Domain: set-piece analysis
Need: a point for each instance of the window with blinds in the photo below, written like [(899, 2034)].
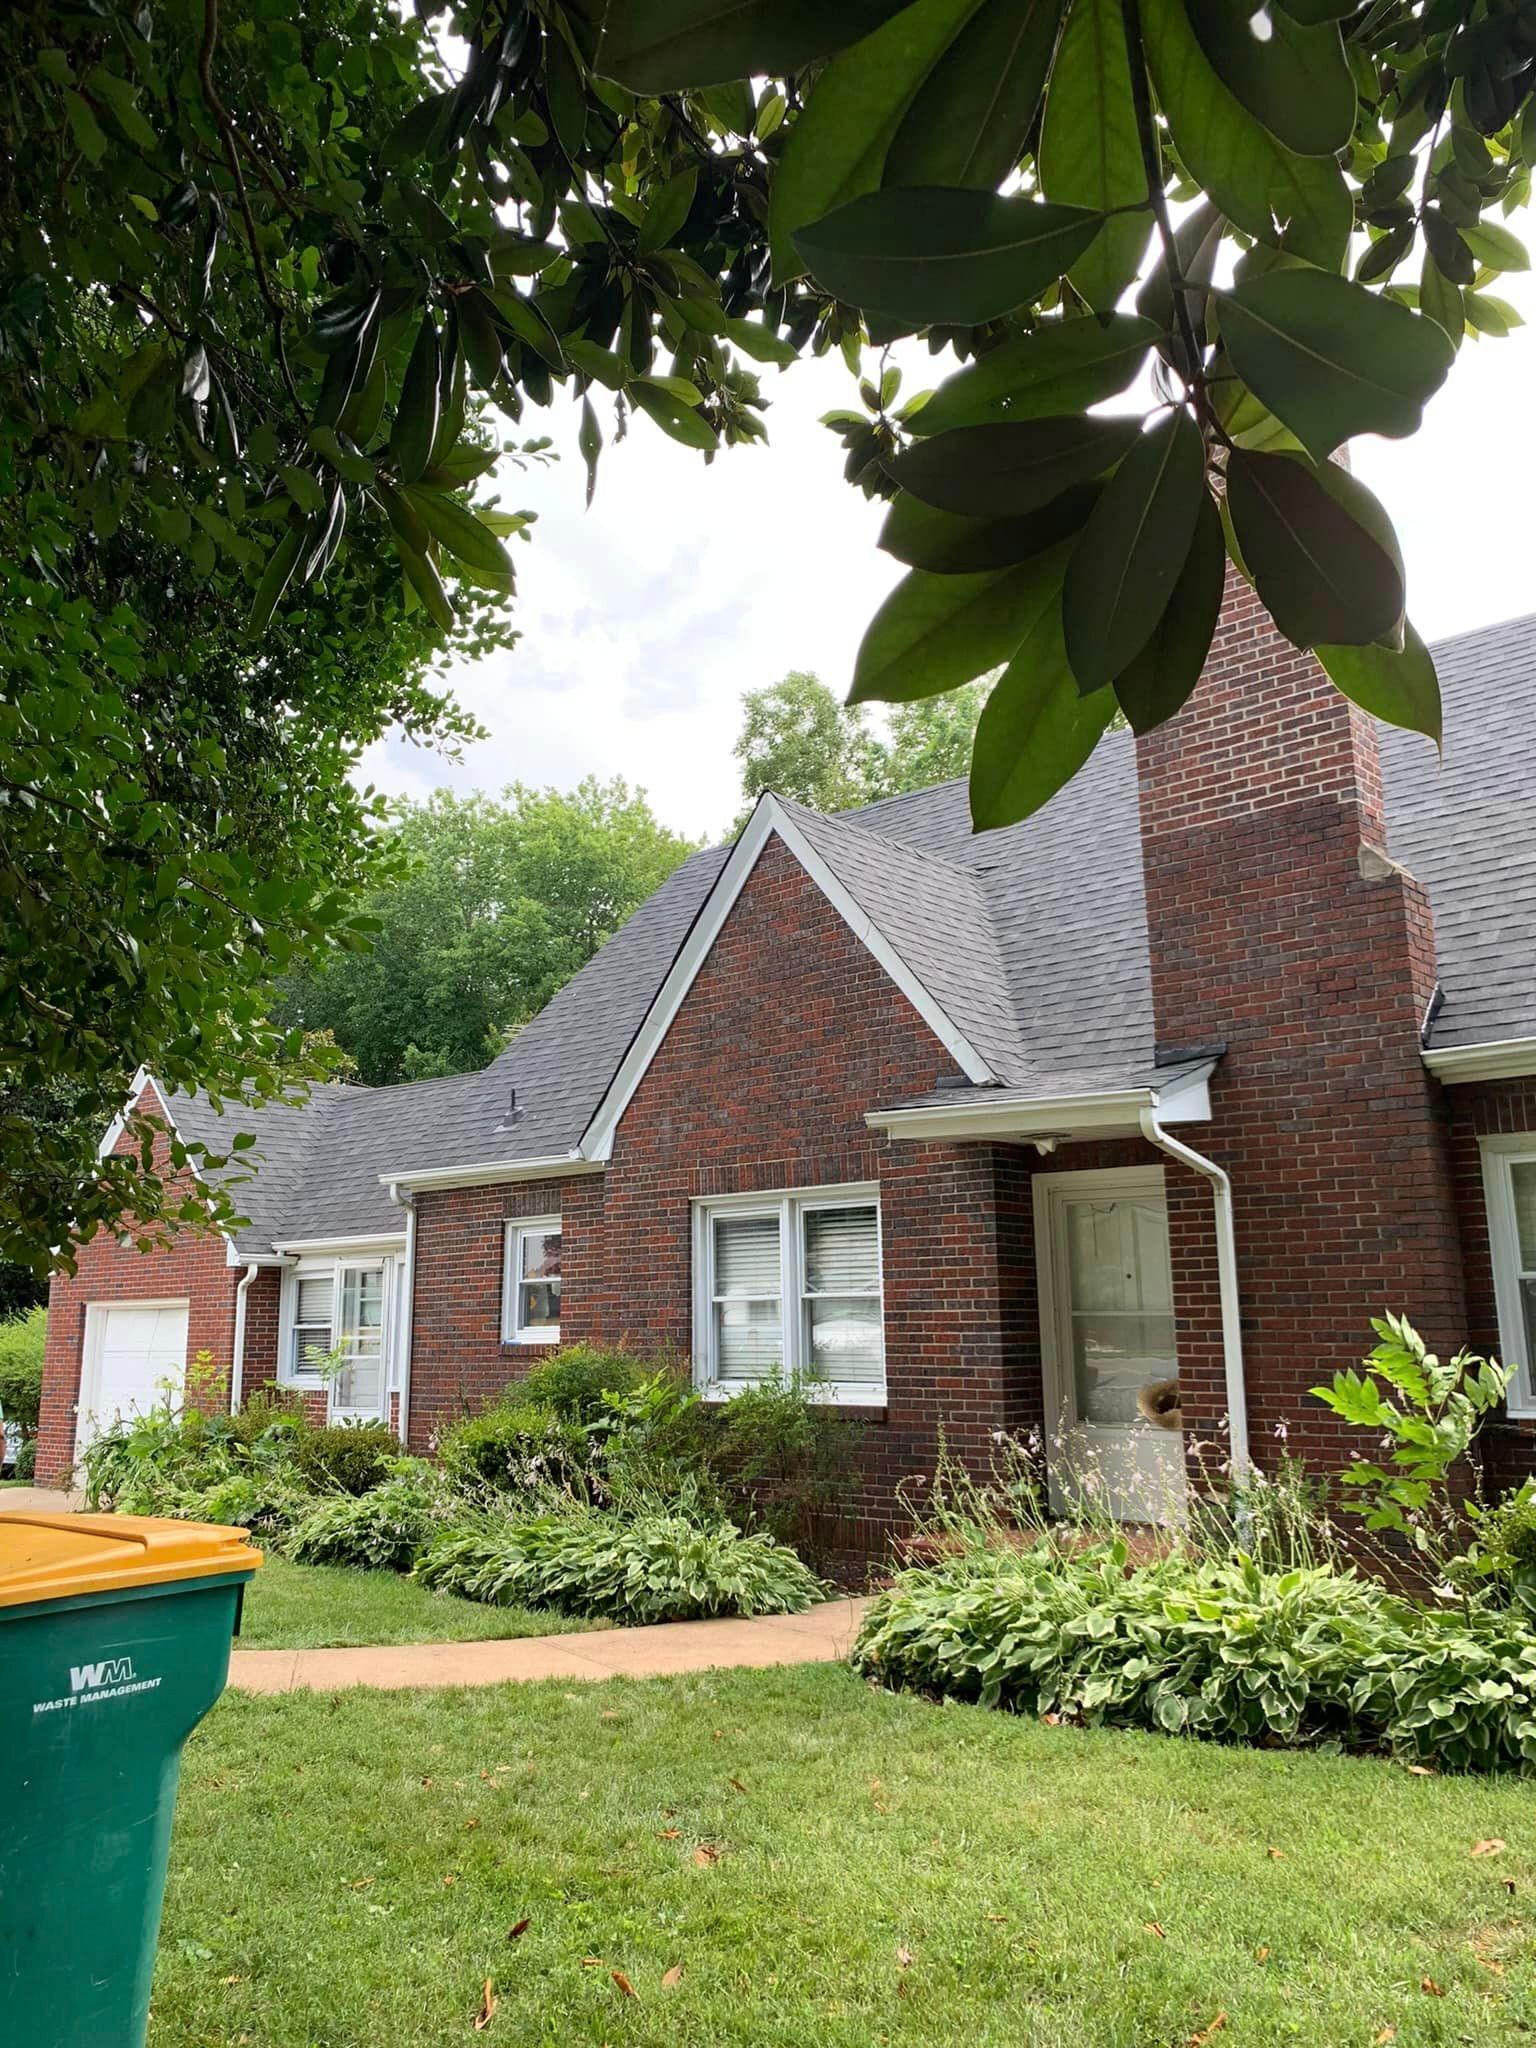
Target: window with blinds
[(530, 1312), (793, 1289), (1509, 1181), (314, 1298)]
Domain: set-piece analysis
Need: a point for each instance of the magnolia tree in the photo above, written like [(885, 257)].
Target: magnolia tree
[(276, 279)]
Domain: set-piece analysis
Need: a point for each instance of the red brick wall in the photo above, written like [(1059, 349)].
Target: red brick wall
[(1487, 1109), (194, 1266), (458, 1361), (1277, 923)]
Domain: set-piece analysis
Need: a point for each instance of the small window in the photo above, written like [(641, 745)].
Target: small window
[(313, 1304), (790, 1285), (531, 1283), (1509, 1181)]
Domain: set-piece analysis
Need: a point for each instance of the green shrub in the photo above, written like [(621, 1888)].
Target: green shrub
[(345, 1457), (383, 1530), (654, 1567), (154, 1457), (267, 1501), (518, 1447), (657, 1445), (1221, 1648), (21, 1366), (26, 1458), (786, 1457), (575, 1383)]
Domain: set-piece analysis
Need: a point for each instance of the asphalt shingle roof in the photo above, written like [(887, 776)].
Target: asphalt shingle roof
[(1033, 940)]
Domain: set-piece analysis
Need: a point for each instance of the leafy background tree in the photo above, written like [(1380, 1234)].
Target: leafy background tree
[(270, 277), (800, 740), (493, 907)]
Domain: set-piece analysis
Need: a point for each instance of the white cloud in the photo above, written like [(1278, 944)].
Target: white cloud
[(646, 618)]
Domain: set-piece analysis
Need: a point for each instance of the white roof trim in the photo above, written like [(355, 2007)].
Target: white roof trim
[(769, 818), (553, 1168), (119, 1123), (1064, 1118), (1497, 1059), (371, 1240)]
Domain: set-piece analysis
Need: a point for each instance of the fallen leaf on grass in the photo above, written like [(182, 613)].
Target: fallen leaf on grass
[(1199, 2040), (239, 1980), (451, 1878), (471, 1824), (361, 1884), (903, 1958), (1261, 1955), (670, 1979), (705, 1854), (998, 1919), (516, 1933), (1419, 1771), (736, 1785), (591, 1962), (1386, 2034), (1156, 1927), (608, 1715), (487, 2010), (1275, 1855), (1493, 1846), (1434, 1990), (669, 1834), (623, 1983)]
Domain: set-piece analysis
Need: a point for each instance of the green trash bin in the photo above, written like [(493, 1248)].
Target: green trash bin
[(114, 1643)]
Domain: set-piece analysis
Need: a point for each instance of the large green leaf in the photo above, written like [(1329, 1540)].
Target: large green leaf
[(416, 415), (1300, 202), (1324, 579), (1400, 687), (1296, 80), (932, 256), (935, 632), (1064, 365), (1331, 359), (1158, 683), (1000, 472), (656, 46), (1132, 550), (1090, 152), (1347, 491), (1036, 729), (454, 527), (969, 122), (674, 415), (837, 148), (946, 545)]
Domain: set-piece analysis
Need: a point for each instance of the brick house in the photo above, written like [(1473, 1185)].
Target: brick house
[(1230, 1048)]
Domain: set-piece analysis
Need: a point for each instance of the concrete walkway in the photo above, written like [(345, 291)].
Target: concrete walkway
[(38, 1500), (822, 1636)]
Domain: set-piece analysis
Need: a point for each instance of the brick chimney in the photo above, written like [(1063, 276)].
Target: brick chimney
[(1278, 922)]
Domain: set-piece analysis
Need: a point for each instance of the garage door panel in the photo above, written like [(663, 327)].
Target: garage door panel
[(136, 1349)]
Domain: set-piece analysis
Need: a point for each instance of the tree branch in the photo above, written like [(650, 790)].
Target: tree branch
[(1157, 199)]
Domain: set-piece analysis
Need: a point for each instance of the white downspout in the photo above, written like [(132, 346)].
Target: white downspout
[(1226, 1272), (237, 1360), (407, 1310)]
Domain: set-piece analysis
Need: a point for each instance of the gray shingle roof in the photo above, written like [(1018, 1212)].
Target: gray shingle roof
[(1032, 939)]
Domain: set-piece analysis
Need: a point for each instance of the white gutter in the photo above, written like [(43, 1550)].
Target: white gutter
[(552, 1168), (1496, 1059), (237, 1359), (1064, 1118), (407, 1310), (1226, 1271)]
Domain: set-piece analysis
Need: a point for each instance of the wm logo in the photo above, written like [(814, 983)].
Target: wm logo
[(87, 1677)]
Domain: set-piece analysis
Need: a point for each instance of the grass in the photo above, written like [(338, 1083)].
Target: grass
[(825, 1864), (318, 1607)]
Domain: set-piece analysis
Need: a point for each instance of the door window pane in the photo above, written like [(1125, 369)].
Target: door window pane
[(1121, 1305), (359, 1386), (313, 1298)]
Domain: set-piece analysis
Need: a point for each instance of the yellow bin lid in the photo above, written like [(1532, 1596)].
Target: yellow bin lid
[(56, 1557)]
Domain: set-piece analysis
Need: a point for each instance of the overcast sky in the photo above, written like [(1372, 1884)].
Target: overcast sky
[(645, 619)]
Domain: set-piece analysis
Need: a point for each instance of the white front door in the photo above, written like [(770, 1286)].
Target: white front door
[(1107, 1336), (358, 1388), (135, 1359)]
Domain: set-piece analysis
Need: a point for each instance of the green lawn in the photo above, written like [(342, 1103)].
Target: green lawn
[(318, 1607), (826, 1865)]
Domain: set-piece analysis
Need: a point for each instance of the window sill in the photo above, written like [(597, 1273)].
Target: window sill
[(871, 1399), (516, 1339)]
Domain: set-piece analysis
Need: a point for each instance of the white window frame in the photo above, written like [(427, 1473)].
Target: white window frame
[(788, 1205), (1500, 1154), (513, 1330), (316, 1266)]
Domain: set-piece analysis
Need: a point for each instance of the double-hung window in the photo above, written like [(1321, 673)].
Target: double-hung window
[(1509, 1184), (789, 1285), (530, 1289), (314, 1304)]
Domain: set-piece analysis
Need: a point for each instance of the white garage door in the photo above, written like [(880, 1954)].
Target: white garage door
[(131, 1350)]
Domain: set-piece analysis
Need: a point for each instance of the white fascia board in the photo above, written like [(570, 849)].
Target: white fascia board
[(1111, 1113), (769, 818), (292, 1247), (119, 1123), (1497, 1059), (556, 1167)]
